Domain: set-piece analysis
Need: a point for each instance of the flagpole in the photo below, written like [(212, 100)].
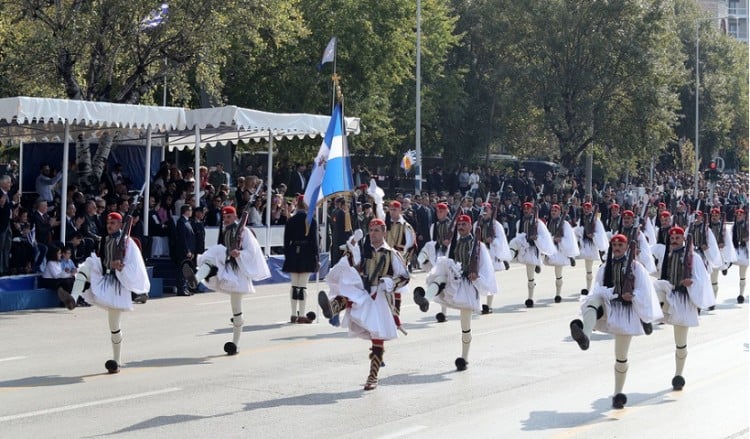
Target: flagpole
[(418, 128)]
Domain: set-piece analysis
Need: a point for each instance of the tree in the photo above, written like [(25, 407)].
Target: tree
[(99, 50)]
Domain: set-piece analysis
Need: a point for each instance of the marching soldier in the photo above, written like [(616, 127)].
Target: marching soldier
[(363, 284), (230, 267), (532, 242), (683, 288), (623, 303), (459, 280), (566, 245)]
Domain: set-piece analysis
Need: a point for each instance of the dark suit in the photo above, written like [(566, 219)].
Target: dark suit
[(425, 217), (213, 218), (42, 226), (5, 232), (297, 183), (184, 243)]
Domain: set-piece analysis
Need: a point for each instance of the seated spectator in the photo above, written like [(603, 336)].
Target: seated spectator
[(60, 279), (23, 250)]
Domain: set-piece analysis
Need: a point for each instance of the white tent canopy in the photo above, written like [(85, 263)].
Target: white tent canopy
[(26, 119), (231, 124)]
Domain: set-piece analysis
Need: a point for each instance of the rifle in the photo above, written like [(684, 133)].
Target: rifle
[(532, 232), (628, 283), (127, 225), (687, 262), (475, 252), (241, 226)]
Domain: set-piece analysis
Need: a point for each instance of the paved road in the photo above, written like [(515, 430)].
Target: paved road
[(526, 377)]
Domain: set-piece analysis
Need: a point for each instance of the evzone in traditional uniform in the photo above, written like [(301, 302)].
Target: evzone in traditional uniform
[(400, 236), (613, 220), (364, 284), (704, 243), (740, 233), (565, 242), (460, 279), (300, 259), (108, 279), (493, 237), (441, 233), (623, 303), (634, 233), (727, 252), (681, 217), (531, 243), (230, 267), (659, 249), (592, 240), (683, 288)]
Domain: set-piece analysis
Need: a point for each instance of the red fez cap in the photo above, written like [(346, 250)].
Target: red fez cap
[(487, 205), (628, 213), (698, 213), (555, 206), (666, 213), (395, 204), (676, 230), (377, 222), (115, 216), (442, 206), (614, 206), (662, 205), (464, 219), (740, 211), (587, 204), (716, 211), (228, 209), (619, 238), (528, 204), (300, 199)]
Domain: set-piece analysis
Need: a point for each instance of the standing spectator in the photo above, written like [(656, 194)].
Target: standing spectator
[(6, 211), (218, 176), (297, 180), (45, 183), (184, 248), (213, 217), (43, 225), (199, 229), (463, 180), (23, 249)]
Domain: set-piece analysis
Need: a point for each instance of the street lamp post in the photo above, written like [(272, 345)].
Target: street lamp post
[(697, 97)]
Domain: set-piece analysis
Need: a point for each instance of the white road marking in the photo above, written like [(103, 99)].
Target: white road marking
[(66, 408), (404, 432), (11, 359)]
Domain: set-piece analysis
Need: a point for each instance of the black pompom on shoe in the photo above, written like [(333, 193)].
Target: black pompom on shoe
[(740, 299), (420, 300), (619, 401), (529, 303), (584, 292), (230, 348), (537, 269), (558, 299), (486, 309), (678, 382), (440, 317), (461, 364), (648, 328), (311, 316), (112, 366)]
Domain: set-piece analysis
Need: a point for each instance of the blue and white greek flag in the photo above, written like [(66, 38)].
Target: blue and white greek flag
[(332, 170), (156, 17)]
